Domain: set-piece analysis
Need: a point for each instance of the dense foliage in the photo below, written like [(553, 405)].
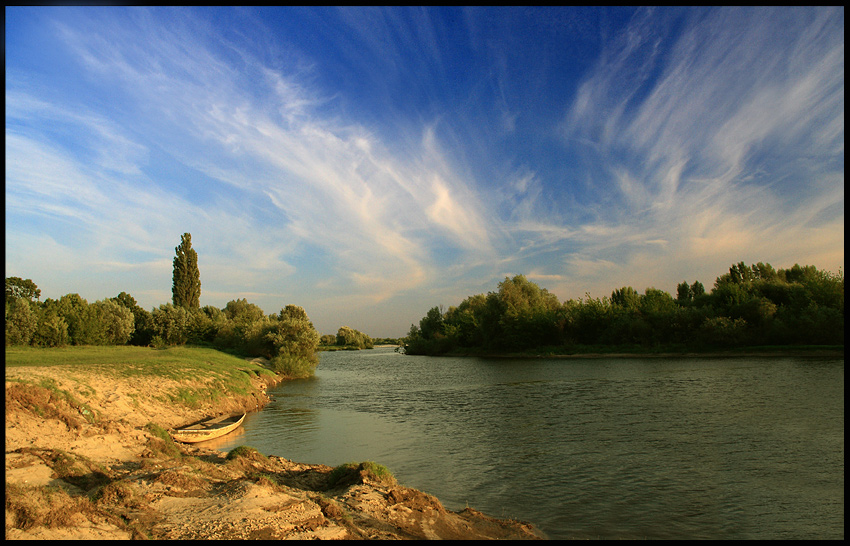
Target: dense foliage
[(350, 338), (288, 339), (186, 285), (748, 306)]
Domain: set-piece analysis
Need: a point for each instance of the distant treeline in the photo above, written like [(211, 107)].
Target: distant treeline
[(287, 338), (748, 306), (347, 338), (350, 339)]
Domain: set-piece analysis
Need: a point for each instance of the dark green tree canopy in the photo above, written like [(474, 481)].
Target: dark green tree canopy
[(626, 298), (186, 287), (750, 305), (22, 288)]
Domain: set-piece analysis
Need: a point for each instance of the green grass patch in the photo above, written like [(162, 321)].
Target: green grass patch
[(162, 442), (350, 473), (205, 374), (245, 452)]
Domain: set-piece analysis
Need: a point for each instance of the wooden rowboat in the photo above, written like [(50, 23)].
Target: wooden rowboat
[(208, 429)]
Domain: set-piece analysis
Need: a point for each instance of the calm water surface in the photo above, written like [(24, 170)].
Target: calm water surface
[(592, 448)]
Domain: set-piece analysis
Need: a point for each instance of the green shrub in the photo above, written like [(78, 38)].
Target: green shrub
[(245, 452), (294, 366), (162, 442), (350, 473)]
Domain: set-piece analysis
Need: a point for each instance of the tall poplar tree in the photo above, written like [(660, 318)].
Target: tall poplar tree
[(186, 287)]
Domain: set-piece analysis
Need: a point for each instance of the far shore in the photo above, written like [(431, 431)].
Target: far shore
[(743, 354), (792, 352)]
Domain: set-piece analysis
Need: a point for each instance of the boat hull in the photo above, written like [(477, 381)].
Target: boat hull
[(208, 430)]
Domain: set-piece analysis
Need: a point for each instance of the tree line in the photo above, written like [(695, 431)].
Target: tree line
[(288, 338), (752, 305), (350, 339), (347, 338)]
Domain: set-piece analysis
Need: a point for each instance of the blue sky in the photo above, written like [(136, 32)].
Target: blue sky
[(371, 163)]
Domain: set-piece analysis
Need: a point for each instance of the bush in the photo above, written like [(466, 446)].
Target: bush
[(245, 452), (294, 366), (351, 473), (117, 322), (162, 442), (172, 324)]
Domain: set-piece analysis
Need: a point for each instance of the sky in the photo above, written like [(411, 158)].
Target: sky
[(369, 164)]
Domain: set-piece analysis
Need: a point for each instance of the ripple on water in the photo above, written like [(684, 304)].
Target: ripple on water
[(630, 448)]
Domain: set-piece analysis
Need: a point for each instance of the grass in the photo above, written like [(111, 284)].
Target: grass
[(162, 442), (28, 507), (242, 451), (46, 400), (204, 374), (348, 473)]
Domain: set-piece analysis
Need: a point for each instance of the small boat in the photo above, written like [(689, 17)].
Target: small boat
[(208, 429)]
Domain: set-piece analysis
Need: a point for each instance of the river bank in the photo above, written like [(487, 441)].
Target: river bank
[(86, 458), (791, 351)]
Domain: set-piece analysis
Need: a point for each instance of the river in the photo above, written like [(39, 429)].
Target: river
[(632, 448)]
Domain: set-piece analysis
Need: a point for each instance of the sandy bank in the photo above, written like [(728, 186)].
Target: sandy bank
[(89, 466)]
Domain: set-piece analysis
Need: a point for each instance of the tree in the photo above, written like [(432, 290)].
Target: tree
[(697, 289), (116, 321), (52, 329), (294, 341), (186, 287), (22, 288), (431, 325), (142, 320), (21, 321), (626, 298), (349, 337), (205, 324), (240, 310), (84, 327), (656, 302), (171, 324)]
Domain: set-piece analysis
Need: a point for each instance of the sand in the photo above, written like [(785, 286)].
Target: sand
[(90, 469)]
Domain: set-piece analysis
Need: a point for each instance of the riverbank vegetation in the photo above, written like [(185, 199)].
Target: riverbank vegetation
[(749, 306), (198, 373), (349, 339), (346, 338), (288, 339)]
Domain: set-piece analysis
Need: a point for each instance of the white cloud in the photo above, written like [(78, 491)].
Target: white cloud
[(255, 128), (736, 85), (704, 146)]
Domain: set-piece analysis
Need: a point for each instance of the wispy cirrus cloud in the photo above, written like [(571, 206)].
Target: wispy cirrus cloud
[(335, 185), (684, 129), (370, 163)]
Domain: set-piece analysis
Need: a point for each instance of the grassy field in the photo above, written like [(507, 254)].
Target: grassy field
[(206, 373)]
